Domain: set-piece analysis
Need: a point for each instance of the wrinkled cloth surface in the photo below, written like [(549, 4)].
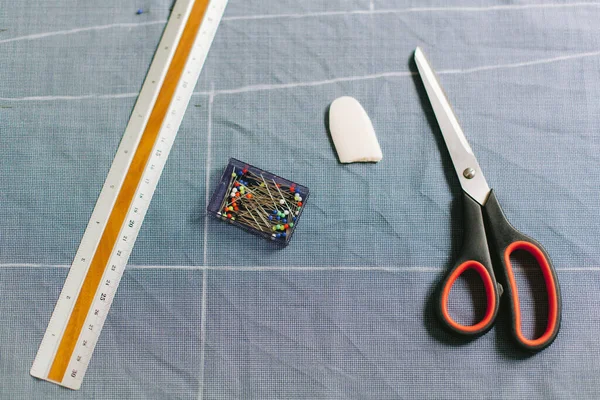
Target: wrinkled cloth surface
[(207, 311)]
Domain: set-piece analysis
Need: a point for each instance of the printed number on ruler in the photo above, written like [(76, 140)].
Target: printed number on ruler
[(67, 346)]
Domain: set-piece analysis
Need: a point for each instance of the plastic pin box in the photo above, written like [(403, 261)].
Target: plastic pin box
[(258, 201)]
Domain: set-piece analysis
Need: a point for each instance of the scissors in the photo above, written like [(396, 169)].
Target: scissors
[(480, 204)]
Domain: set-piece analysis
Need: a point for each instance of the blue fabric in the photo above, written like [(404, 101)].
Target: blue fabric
[(344, 312)]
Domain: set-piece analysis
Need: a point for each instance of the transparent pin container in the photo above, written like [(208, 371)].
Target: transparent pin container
[(258, 201)]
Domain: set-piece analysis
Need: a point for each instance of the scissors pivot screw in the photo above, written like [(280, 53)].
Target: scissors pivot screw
[(469, 173)]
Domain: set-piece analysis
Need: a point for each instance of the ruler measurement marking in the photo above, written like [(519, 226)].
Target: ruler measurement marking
[(112, 233)]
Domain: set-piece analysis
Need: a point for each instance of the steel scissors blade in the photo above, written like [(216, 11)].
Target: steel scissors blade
[(487, 234), (466, 165)]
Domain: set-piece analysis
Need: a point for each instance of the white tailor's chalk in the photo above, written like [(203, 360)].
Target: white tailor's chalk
[(352, 132)]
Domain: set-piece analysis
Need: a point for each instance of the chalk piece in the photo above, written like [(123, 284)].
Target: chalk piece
[(352, 132)]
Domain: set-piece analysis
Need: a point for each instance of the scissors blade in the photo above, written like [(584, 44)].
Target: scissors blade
[(466, 165)]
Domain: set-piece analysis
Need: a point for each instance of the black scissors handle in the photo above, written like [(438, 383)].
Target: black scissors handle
[(505, 240), (475, 254)]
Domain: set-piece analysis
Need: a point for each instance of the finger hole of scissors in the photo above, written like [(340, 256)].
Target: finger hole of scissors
[(533, 298), (540, 264), (468, 272)]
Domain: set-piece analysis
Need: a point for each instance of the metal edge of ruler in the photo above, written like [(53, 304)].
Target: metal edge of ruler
[(103, 295)]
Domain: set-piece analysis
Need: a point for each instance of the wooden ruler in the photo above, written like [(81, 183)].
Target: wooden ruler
[(86, 297)]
